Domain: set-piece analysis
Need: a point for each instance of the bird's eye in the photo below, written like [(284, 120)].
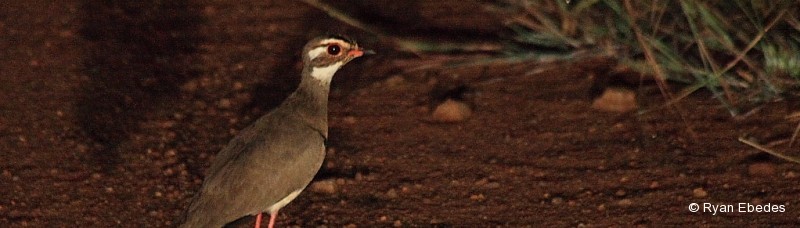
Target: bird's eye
[(334, 49)]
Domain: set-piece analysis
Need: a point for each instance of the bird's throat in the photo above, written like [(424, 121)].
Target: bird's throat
[(325, 73)]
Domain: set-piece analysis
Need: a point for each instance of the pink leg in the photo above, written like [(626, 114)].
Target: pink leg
[(258, 220), (272, 217)]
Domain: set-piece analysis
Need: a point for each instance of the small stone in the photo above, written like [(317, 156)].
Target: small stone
[(190, 86), (324, 186), (790, 175), (493, 185), (557, 201), (699, 193), (620, 193), (350, 226), (391, 194), (451, 111), (171, 153), (478, 197), (169, 172), (625, 202), (761, 169), (238, 86), (109, 189), (601, 207), (397, 223), (616, 100), (482, 182), (654, 185), (224, 103), (349, 120), (383, 218)]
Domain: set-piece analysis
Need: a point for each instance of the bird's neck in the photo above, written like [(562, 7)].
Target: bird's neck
[(310, 103)]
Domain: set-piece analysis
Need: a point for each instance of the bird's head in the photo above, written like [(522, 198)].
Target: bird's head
[(323, 56)]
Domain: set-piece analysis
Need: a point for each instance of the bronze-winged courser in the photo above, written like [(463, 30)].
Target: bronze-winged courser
[(270, 162)]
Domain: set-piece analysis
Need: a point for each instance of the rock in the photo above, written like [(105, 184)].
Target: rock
[(451, 111), (761, 169), (224, 103), (557, 201), (699, 193), (349, 120), (625, 202), (477, 197), (391, 194), (616, 100), (324, 186)]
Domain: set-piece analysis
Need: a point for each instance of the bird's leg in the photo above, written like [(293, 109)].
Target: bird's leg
[(272, 217), (258, 221)]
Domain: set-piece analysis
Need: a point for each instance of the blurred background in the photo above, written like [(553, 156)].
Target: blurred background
[(473, 113)]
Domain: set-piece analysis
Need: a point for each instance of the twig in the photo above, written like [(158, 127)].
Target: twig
[(661, 79), (772, 152), (753, 42)]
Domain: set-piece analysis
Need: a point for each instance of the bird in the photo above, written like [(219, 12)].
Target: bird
[(269, 163)]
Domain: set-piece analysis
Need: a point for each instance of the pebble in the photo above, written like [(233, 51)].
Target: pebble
[(625, 202), (451, 111), (397, 223), (761, 169), (349, 120), (616, 100), (391, 194), (790, 175), (324, 186), (557, 201), (699, 193), (238, 86), (224, 103), (478, 197), (190, 86)]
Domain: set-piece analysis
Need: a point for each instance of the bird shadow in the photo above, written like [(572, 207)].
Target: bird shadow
[(136, 54)]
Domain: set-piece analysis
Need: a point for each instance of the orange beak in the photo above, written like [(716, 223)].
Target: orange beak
[(355, 53), (359, 52)]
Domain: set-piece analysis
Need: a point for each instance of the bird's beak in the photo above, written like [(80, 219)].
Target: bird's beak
[(359, 52)]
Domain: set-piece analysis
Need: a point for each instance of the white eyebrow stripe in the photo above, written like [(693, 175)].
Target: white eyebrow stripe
[(314, 53), (326, 41)]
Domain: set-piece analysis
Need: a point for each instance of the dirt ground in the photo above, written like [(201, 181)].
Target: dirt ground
[(110, 113)]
